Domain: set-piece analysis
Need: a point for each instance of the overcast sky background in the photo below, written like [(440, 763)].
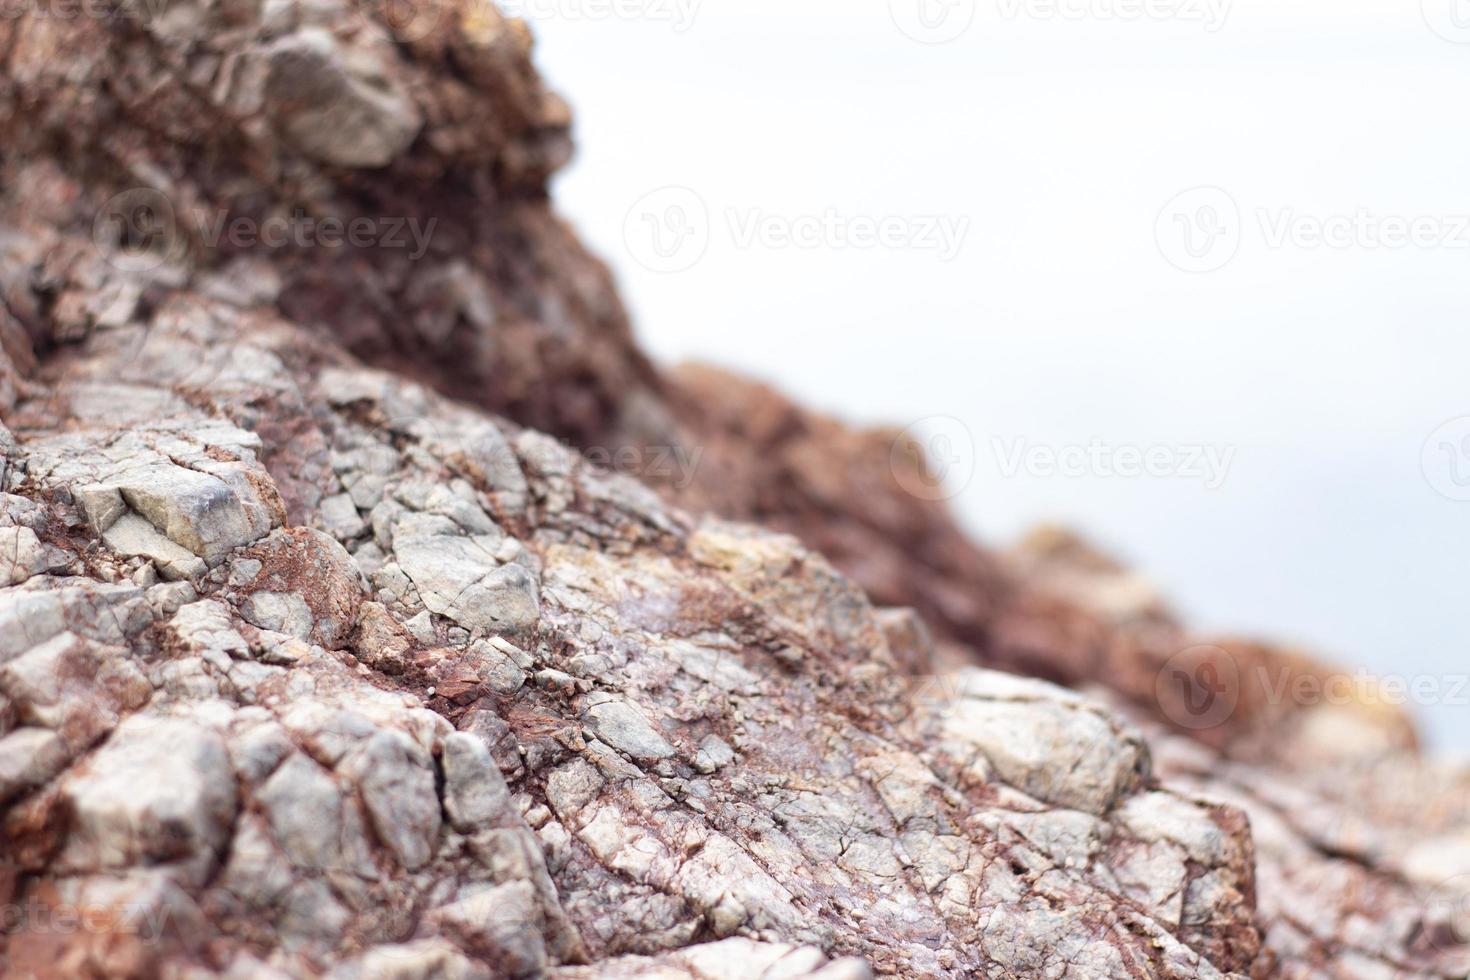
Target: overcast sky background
[(1064, 314)]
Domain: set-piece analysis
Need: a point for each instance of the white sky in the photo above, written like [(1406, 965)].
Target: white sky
[(1055, 142)]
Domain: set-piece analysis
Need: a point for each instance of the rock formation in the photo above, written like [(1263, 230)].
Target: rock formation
[(327, 649)]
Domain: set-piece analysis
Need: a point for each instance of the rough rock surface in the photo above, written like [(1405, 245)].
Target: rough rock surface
[(310, 668)]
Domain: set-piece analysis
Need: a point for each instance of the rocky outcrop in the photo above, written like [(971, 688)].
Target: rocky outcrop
[(1051, 607), (375, 173), (689, 730), (312, 667)]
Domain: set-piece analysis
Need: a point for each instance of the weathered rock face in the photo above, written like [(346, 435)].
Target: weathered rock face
[(684, 731), (1052, 608), (375, 173), (307, 669)]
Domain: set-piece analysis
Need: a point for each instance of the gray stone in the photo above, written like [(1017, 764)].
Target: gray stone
[(501, 923), (256, 871), (284, 612), (313, 913), (207, 628), (102, 505), (1045, 741), (167, 599), (326, 731), (29, 757), (159, 790), (332, 108), (22, 555), (458, 577), (256, 751), (396, 779), (131, 534), (195, 510), (35, 612), (714, 754), (303, 806), (475, 794), (626, 729), (497, 668), (340, 517)]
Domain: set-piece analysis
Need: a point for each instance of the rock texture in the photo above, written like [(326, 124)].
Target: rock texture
[(325, 652)]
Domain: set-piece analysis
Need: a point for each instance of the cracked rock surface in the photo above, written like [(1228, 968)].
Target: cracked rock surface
[(657, 732), (325, 652)]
